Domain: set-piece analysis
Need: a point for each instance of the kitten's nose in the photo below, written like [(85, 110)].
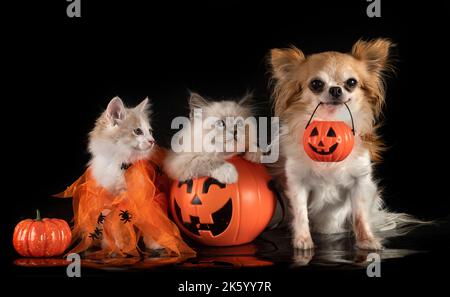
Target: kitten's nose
[(336, 92), (151, 141)]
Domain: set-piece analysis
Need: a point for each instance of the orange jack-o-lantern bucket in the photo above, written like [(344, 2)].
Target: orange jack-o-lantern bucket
[(219, 214), (328, 141)]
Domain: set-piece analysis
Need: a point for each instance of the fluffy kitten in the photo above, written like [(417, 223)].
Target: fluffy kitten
[(121, 136), (189, 164)]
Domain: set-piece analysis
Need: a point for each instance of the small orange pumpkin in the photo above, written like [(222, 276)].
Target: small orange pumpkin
[(328, 141), (41, 237), (219, 214)]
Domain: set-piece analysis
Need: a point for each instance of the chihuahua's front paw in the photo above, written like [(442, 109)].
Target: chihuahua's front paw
[(254, 157), (303, 242), (302, 257), (225, 173), (370, 243)]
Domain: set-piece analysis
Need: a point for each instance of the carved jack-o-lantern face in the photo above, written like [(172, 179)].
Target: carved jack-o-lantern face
[(328, 141), (224, 214), (206, 212)]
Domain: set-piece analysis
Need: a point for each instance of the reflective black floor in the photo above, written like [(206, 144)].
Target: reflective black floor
[(270, 250), (414, 262)]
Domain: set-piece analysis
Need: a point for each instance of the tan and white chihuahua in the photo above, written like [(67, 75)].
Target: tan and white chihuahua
[(333, 197)]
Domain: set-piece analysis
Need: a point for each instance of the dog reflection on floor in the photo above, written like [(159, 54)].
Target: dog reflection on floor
[(338, 249)]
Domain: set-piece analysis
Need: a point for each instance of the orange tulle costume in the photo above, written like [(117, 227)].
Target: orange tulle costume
[(119, 225)]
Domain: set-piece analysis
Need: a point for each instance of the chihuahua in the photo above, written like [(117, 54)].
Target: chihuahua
[(333, 197)]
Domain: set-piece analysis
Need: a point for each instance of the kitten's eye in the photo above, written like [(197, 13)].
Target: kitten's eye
[(220, 124), (316, 85), (138, 131), (150, 130), (351, 83)]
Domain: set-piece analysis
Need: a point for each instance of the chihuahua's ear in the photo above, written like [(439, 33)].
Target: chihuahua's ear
[(284, 61), (115, 112), (374, 53)]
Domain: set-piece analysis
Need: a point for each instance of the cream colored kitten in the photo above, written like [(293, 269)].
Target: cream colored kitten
[(121, 136)]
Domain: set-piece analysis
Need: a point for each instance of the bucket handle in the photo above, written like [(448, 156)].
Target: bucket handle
[(320, 103)]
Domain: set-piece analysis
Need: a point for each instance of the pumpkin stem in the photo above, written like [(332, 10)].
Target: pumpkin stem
[(38, 215)]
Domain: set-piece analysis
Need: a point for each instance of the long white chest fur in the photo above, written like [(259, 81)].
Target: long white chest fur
[(108, 173), (328, 187)]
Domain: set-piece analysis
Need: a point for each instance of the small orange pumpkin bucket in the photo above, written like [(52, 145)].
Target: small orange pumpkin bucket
[(328, 141)]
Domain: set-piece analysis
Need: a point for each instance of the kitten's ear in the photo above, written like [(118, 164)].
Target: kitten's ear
[(374, 53), (247, 100), (115, 111), (284, 61), (196, 101), (144, 106)]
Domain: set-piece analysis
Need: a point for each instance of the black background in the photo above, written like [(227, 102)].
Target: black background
[(59, 74)]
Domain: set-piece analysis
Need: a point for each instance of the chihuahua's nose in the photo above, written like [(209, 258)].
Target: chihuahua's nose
[(336, 92), (151, 141)]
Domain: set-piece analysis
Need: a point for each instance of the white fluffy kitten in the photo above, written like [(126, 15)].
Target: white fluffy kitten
[(188, 165), (121, 136)]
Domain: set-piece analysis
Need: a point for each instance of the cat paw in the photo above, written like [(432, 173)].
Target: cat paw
[(184, 176), (119, 188), (254, 157), (225, 173), (371, 244), (303, 242)]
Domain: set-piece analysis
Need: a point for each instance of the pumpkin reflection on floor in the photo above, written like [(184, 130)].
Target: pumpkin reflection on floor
[(226, 257), (208, 257), (106, 263), (226, 262), (41, 262)]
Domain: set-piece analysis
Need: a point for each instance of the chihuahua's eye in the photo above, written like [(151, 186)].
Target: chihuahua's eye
[(316, 85), (138, 131), (220, 123), (351, 83), (150, 130)]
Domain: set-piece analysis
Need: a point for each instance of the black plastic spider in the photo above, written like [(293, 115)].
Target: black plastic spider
[(96, 234), (101, 219), (125, 216)]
